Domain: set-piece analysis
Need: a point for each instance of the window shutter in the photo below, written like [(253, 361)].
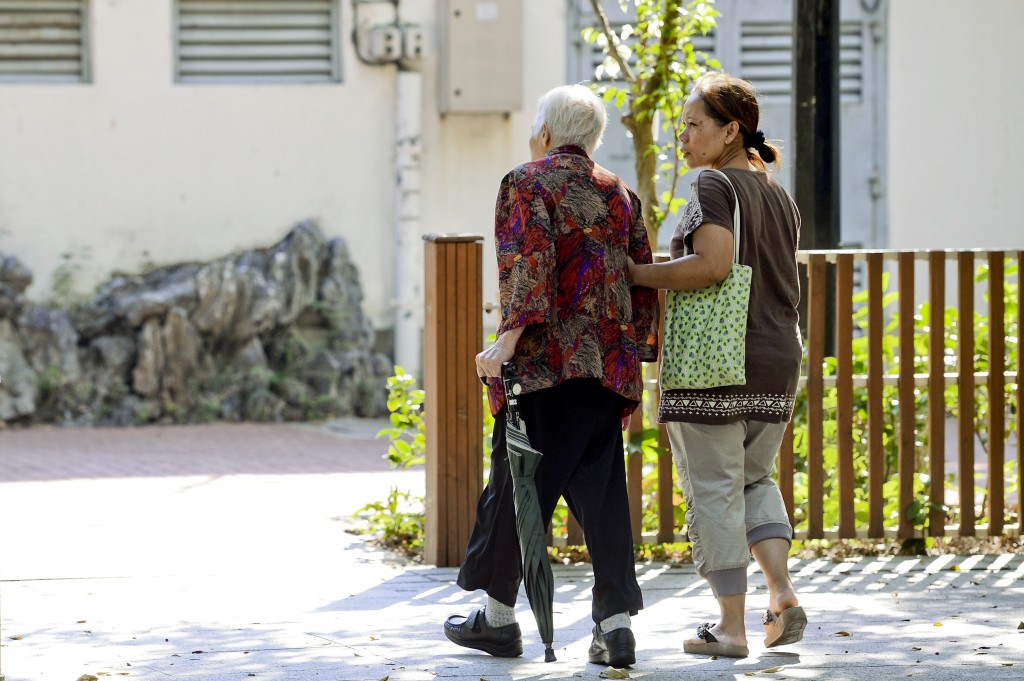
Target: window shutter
[(43, 41), (766, 58), (257, 41)]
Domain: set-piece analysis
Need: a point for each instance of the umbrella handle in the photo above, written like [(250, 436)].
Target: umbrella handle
[(513, 388)]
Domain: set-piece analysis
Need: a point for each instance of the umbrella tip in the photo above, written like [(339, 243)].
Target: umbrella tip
[(549, 655)]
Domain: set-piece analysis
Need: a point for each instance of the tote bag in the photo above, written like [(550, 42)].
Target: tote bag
[(706, 329)]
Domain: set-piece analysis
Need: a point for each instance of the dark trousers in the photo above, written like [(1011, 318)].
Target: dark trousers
[(576, 426)]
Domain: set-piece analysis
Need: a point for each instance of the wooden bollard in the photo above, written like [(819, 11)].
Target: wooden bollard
[(453, 406)]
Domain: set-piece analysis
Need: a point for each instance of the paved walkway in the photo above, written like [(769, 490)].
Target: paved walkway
[(222, 552)]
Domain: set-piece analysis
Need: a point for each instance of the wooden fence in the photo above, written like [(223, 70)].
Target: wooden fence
[(856, 463)]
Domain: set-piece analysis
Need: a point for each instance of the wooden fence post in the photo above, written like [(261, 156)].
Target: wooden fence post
[(453, 406)]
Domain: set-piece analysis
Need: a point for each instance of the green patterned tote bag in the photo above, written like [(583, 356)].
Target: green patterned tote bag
[(706, 329)]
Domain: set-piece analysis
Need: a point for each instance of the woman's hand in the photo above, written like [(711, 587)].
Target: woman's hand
[(488, 362)]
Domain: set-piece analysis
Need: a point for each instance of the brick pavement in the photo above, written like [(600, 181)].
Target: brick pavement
[(49, 453)]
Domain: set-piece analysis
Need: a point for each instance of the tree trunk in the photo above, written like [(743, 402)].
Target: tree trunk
[(646, 160)]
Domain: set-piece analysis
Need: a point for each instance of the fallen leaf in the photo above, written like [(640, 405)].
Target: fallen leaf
[(87, 677), (915, 648), (17, 638), (955, 568), (937, 624), (612, 673), (1007, 664), (771, 670), (375, 638), (80, 622), (385, 678), (842, 633), (1020, 627), (197, 652)]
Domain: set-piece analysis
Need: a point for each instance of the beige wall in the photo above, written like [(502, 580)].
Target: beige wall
[(955, 130), (133, 169)]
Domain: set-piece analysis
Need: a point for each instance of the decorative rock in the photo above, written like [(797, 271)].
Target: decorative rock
[(51, 343), (14, 279), (266, 334), (18, 383)]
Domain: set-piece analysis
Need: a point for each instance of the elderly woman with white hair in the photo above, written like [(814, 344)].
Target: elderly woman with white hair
[(576, 332)]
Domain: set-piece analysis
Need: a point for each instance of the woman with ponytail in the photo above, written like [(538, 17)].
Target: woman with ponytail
[(724, 440)]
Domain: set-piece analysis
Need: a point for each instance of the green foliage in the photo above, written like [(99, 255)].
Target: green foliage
[(62, 282), (647, 73), (397, 521), (406, 434), (49, 382)]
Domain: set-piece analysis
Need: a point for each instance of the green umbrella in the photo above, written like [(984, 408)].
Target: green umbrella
[(523, 460)]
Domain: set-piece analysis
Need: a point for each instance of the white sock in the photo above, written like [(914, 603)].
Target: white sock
[(620, 621), (498, 614)]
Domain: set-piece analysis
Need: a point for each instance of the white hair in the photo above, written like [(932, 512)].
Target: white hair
[(574, 115)]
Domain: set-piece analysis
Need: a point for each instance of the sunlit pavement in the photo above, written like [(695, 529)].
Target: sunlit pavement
[(221, 552)]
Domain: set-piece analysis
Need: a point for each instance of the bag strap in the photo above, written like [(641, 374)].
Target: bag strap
[(735, 216)]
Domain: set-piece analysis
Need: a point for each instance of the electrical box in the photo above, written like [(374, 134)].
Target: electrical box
[(481, 56), (414, 42), (384, 44)]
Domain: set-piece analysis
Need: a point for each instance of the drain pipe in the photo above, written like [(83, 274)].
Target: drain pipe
[(382, 39), (408, 232)]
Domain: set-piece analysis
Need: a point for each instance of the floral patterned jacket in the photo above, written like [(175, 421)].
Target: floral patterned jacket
[(563, 227)]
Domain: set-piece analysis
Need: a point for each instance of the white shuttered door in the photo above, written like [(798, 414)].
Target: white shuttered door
[(43, 41), (256, 41)]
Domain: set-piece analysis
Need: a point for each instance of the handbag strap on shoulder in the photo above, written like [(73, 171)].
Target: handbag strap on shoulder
[(735, 216)]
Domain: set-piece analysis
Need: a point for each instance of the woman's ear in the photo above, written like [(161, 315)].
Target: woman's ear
[(545, 136), (732, 129)]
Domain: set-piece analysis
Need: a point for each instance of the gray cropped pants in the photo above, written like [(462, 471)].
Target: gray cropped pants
[(732, 501)]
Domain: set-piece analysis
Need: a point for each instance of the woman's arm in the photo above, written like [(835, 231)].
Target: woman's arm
[(708, 264)]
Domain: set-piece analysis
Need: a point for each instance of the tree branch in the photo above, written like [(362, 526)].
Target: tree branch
[(613, 41)]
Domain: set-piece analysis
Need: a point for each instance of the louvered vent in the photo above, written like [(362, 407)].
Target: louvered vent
[(43, 41), (257, 41), (701, 43), (766, 58)]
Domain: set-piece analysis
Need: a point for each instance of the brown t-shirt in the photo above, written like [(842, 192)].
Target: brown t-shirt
[(769, 239)]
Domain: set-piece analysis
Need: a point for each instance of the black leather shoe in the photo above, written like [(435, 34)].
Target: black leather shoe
[(615, 648), (472, 631)]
